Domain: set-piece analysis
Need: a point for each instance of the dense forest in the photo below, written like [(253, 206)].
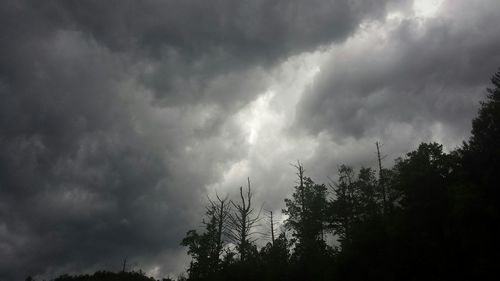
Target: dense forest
[(433, 216)]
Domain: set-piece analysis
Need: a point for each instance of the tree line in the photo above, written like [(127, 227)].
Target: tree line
[(433, 216)]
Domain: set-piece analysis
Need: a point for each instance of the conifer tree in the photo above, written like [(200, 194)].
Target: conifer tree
[(306, 212)]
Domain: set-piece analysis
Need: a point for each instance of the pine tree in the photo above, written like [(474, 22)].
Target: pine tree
[(306, 212)]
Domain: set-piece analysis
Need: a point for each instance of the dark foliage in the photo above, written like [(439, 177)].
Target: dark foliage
[(433, 216)]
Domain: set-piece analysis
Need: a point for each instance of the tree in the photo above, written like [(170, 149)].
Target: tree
[(272, 224), (206, 248), (306, 212), (221, 211), (486, 126), (477, 211), (345, 204), (275, 258), (370, 199), (425, 179), (242, 222), (482, 151)]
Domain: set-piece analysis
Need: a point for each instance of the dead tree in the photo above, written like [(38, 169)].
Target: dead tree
[(270, 219), (300, 175), (381, 180), (124, 265), (219, 211), (242, 222)]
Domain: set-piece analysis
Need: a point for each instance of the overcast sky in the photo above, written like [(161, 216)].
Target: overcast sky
[(118, 118)]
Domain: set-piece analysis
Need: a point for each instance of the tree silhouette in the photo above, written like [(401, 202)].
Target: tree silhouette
[(345, 205), (478, 215), (242, 222), (306, 212), (206, 248)]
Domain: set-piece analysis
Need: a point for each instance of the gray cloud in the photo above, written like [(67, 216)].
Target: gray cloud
[(261, 29), (192, 42), (410, 71), (79, 182)]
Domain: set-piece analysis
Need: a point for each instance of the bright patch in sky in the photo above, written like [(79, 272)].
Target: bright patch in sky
[(264, 123), (256, 116), (426, 8)]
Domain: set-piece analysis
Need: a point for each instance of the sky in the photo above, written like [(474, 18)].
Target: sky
[(119, 118)]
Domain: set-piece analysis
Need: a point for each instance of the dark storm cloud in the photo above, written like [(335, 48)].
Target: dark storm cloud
[(411, 71), (248, 29), (79, 184), (113, 117), (198, 40)]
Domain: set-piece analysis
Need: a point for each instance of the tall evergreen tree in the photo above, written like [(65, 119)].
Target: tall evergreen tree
[(482, 151), (344, 206), (477, 211), (306, 212)]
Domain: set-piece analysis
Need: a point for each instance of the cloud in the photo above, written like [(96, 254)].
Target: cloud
[(187, 43), (80, 179), (406, 70)]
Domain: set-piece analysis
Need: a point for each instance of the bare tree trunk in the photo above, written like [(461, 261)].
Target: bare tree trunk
[(300, 174), (242, 221), (272, 228), (381, 180), (220, 211)]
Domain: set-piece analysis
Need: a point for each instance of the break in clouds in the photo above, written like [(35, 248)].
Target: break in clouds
[(119, 118)]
